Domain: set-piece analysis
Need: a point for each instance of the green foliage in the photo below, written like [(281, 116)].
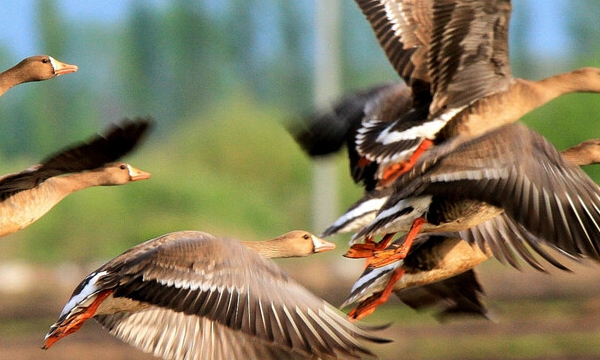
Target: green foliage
[(234, 172), (218, 78)]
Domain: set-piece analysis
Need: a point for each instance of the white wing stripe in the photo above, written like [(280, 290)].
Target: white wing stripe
[(294, 326), (310, 327)]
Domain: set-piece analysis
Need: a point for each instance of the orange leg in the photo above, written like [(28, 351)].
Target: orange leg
[(76, 322), (369, 247), (382, 258), (363, 161), (368, 306), (392, 172)]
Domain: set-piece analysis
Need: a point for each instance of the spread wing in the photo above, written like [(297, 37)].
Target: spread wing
[(518, 170), (225, 294), (101, 149), (450, 52)]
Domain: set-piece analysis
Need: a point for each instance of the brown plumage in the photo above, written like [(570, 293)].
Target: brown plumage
[(547, 201), (28, 195), (34, 68), (437, 272), (454, 56), (511, 169), (189, 295)]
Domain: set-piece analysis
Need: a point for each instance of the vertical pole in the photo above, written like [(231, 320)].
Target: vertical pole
[(327, 88)]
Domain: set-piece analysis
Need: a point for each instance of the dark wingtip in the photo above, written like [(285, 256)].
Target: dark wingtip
[(126, 135)]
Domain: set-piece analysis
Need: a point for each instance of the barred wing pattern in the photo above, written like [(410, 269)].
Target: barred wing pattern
[(450, 46), (518, 170), (199, 283)]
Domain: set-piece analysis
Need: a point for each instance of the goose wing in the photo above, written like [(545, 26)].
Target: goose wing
[(450, 52), (101, 149), (510, 242), (404, 29), (218, 286), (518, 170)]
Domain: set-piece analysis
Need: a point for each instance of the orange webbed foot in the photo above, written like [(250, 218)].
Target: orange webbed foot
[(369, 305), (394, 171), (369, 247)]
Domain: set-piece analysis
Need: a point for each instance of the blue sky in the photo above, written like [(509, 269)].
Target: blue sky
[(547, 35)]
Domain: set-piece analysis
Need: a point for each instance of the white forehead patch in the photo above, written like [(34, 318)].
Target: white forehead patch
[(53, 63)]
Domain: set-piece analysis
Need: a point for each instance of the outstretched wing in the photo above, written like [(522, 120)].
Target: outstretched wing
[(119, 140), (518, 170), (200, 283)]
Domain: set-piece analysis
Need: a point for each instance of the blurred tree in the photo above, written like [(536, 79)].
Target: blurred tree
[(239, 22), (583, 27), (195, 45), (142, 63), (291, 74)]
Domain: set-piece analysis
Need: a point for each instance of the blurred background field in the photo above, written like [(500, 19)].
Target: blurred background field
[(219, 78)]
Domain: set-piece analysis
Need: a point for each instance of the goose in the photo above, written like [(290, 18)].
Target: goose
[(460, 184), (328, 130), (437, 272), (190, 295), (34, 68), (454, 57), (28, 195), (363, 211), (512, 170)]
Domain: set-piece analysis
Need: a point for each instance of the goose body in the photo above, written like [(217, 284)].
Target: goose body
[(34, 68), (513, 169), (28, 195), (551, 202), (437, 272), (453, 55), (189, 295)]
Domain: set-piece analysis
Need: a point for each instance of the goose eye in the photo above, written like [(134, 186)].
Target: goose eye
[(44, 61), (123, 167), (306, 237)]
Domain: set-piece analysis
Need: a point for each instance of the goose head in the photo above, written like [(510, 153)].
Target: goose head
[(42, 67), (118, 173), (298, 243)]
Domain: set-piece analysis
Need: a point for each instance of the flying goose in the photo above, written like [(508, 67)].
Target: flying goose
[(188, 295), (34, 68), (460, 185), (493, 234), (453, 54), (28, 195), (437, 272)]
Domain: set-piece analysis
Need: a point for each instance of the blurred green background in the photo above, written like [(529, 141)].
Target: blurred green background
[(219, 78)]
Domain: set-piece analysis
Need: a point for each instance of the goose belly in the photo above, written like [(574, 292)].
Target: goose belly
[(24, 208), (443, 260), (447, 215)]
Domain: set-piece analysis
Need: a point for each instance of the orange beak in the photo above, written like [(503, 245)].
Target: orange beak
[(137, 174), (61, 68), (322, 245)]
